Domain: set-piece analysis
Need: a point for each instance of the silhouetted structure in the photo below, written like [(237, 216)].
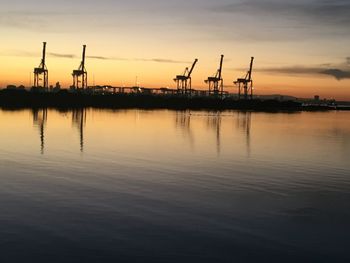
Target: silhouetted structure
[(80, 75), (39, 120), (66, 99), (41, 74), (246, 83), (216, 83), (184, 82)]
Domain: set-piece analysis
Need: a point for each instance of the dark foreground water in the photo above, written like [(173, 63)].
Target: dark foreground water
[(164, 186)]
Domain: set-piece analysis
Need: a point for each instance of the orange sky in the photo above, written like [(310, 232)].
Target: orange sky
[(145, 39)]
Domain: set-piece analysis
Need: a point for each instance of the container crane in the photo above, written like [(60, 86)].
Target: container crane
[(216, 83), (245, 84), (41, 74), (80, 75), (184, 82)]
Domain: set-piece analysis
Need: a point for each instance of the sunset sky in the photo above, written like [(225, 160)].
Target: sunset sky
[(301, 47)]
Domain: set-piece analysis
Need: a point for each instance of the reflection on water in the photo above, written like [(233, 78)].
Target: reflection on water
[(167, 186), (79, 122), (40, 117), (183, 122), (214, 123), (244, 121), (39, 120)]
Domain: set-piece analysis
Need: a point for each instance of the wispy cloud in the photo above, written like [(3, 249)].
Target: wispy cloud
[(99, 57), (19, 53), (33, 21), (283, 20), (57, 55), (156, 60), (339, 72), (71, 56), (161, 60), (336, 12), (15, 21)]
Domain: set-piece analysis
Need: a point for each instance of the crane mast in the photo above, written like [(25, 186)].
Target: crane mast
[(184, 82), (245, 85), (41, 74), (216, 83), (80, 75)]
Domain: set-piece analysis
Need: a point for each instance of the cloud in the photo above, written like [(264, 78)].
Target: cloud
[(58, 55), (339, 72), (99, 57), (33, 21), (25, 21), (161, 60), (295, 70), (20, 53), (157, 60), (333, 12), (283, 20), (61, 55)]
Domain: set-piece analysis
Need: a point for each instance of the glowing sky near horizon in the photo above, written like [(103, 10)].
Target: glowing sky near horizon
[(301, 47)]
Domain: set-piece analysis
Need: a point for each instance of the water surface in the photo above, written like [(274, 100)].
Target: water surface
[(166, 186)]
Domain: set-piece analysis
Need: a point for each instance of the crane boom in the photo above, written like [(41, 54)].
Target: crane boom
[(83, 58), (43, 60), (220, 69), (250, 69), (192, 68)]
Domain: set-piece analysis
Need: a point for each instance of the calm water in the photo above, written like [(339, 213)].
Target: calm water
[(165, 186)]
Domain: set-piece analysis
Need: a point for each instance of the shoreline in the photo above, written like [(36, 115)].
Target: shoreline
[(67, 100)]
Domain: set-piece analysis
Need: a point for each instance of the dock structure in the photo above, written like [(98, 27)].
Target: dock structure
[(216, 83), (41, 74), (80, 75), (245, 85), (184, 81)]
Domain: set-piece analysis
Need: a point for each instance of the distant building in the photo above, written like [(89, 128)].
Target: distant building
[(317, 98), (57, 87), (14, 87), (11, 87)]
